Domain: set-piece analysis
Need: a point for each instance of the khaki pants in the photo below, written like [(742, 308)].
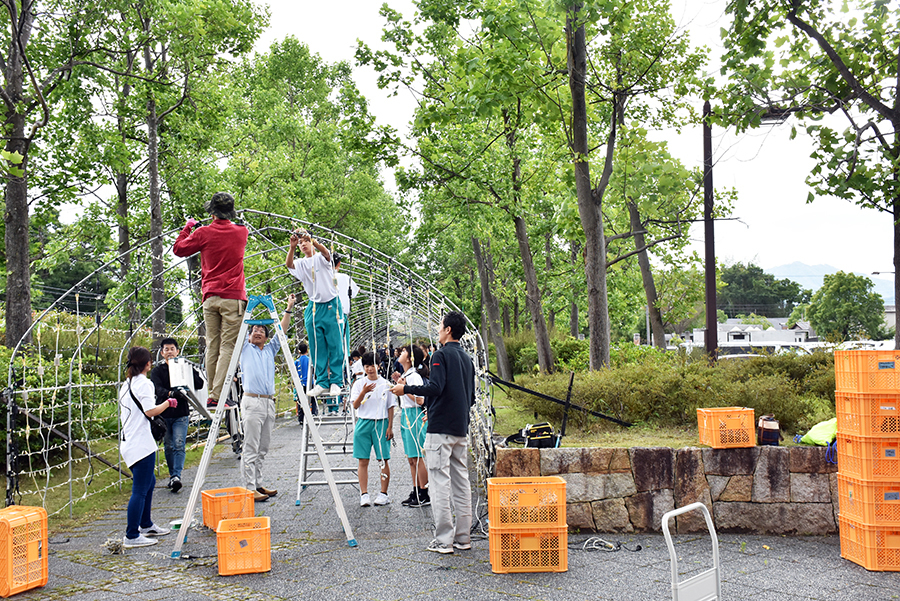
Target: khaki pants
[(448, 481), (223, 320), (259, 420)]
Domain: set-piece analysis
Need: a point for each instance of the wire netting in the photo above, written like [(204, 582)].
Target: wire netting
[(62, 427)]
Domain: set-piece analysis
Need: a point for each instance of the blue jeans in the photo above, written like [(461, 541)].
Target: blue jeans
[(176, 435), (141, 501)]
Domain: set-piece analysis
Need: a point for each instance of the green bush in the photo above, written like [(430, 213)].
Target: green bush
[(665, 389), (526, 360)]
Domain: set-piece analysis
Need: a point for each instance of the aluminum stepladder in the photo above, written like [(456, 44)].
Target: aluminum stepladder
[(339, 419), (333, 412), (252, 303), (706, 586)]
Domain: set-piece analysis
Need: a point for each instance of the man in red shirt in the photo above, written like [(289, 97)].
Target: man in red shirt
[(221, 246)]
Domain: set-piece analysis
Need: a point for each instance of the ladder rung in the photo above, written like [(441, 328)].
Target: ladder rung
[(333, 469), (311, 483), (335, 452)]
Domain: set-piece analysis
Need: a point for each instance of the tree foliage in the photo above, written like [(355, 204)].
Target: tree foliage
[(846, 308), (838, 71), (748, 289)]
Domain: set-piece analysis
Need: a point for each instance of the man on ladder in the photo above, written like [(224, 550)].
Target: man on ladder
[(265, 301), (258, 402), (316, 272)]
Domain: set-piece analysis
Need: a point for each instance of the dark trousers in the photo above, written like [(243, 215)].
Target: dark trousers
[(142, 482)]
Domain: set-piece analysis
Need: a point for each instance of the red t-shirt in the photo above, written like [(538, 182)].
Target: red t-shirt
[(221, 246)]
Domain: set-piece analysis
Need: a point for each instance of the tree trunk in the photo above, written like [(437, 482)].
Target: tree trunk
[(122, 217), (506, 328), (574, 330), (157, 263), (516, 315), (492, 307), (533, 299), (193, 265), (18, 259), (548, 265), (16, 218), (589, 201), (640, 245)]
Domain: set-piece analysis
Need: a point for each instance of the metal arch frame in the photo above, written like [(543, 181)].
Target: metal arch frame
[(370, 260)]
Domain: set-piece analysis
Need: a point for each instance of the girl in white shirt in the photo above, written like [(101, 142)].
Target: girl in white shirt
[(412, 424), (138, 448)]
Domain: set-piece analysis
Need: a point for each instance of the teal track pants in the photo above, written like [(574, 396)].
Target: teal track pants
[(325, 347)]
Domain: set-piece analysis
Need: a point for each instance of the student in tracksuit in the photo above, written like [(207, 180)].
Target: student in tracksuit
[(316, 273)]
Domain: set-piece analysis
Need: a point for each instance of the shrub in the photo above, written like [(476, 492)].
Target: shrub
[(665, 389)]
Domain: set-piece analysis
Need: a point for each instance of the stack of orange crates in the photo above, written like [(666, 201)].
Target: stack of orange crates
[(527, 519), (867, 399), (23, 549)]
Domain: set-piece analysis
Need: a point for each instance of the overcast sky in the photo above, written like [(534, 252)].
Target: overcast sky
[(774, 225)]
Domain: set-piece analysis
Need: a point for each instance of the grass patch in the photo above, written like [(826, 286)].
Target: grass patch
[(108, 490)]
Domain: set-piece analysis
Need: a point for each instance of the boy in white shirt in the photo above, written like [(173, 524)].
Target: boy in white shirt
[(315, 271), (347, 290), (374, 406)]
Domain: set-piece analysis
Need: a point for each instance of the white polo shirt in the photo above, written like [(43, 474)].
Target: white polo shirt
[(317, 276)]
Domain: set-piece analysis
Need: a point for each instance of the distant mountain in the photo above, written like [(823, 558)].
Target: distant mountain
[(812, 276)]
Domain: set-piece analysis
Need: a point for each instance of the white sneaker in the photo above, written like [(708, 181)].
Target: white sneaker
[(316, 391), (140, 541), (382, 499), (437, 547), (155, 530), (335, 390), (364, 500)]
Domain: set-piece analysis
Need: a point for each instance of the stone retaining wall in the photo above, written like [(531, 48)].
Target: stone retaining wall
[(763, 490)]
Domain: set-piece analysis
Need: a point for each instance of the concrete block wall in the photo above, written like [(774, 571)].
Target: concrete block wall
[(763, 490)]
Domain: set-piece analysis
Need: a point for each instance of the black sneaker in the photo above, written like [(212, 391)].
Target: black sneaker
[(421, 500), (410, 498), (175, 483)]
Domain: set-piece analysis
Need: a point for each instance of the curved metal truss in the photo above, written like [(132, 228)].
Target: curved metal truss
[(62, 418)]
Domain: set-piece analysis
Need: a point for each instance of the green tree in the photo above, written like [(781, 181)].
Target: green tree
[(478, 127), (637, 58), (40, 48), (786, 56), (749, 289), (300, 142), (846, 308)]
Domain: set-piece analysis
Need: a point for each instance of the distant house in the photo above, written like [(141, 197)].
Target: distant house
[(734, 331)]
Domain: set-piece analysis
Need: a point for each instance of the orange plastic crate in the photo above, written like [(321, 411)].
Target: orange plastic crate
[(529, 550), (726, 427), (874, 503), (538, 502), (868, 414), (226, 503), (23, 549), (876, 548), (244, 546), (869, 459), (867, 371)]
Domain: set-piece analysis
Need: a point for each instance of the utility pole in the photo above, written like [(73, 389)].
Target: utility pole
[(712, 327)]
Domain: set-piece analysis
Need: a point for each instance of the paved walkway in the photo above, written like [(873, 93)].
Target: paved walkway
[(311, 559)]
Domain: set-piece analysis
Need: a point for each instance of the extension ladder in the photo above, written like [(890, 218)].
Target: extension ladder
[(253, 302), (706, 586), (337, 423)]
